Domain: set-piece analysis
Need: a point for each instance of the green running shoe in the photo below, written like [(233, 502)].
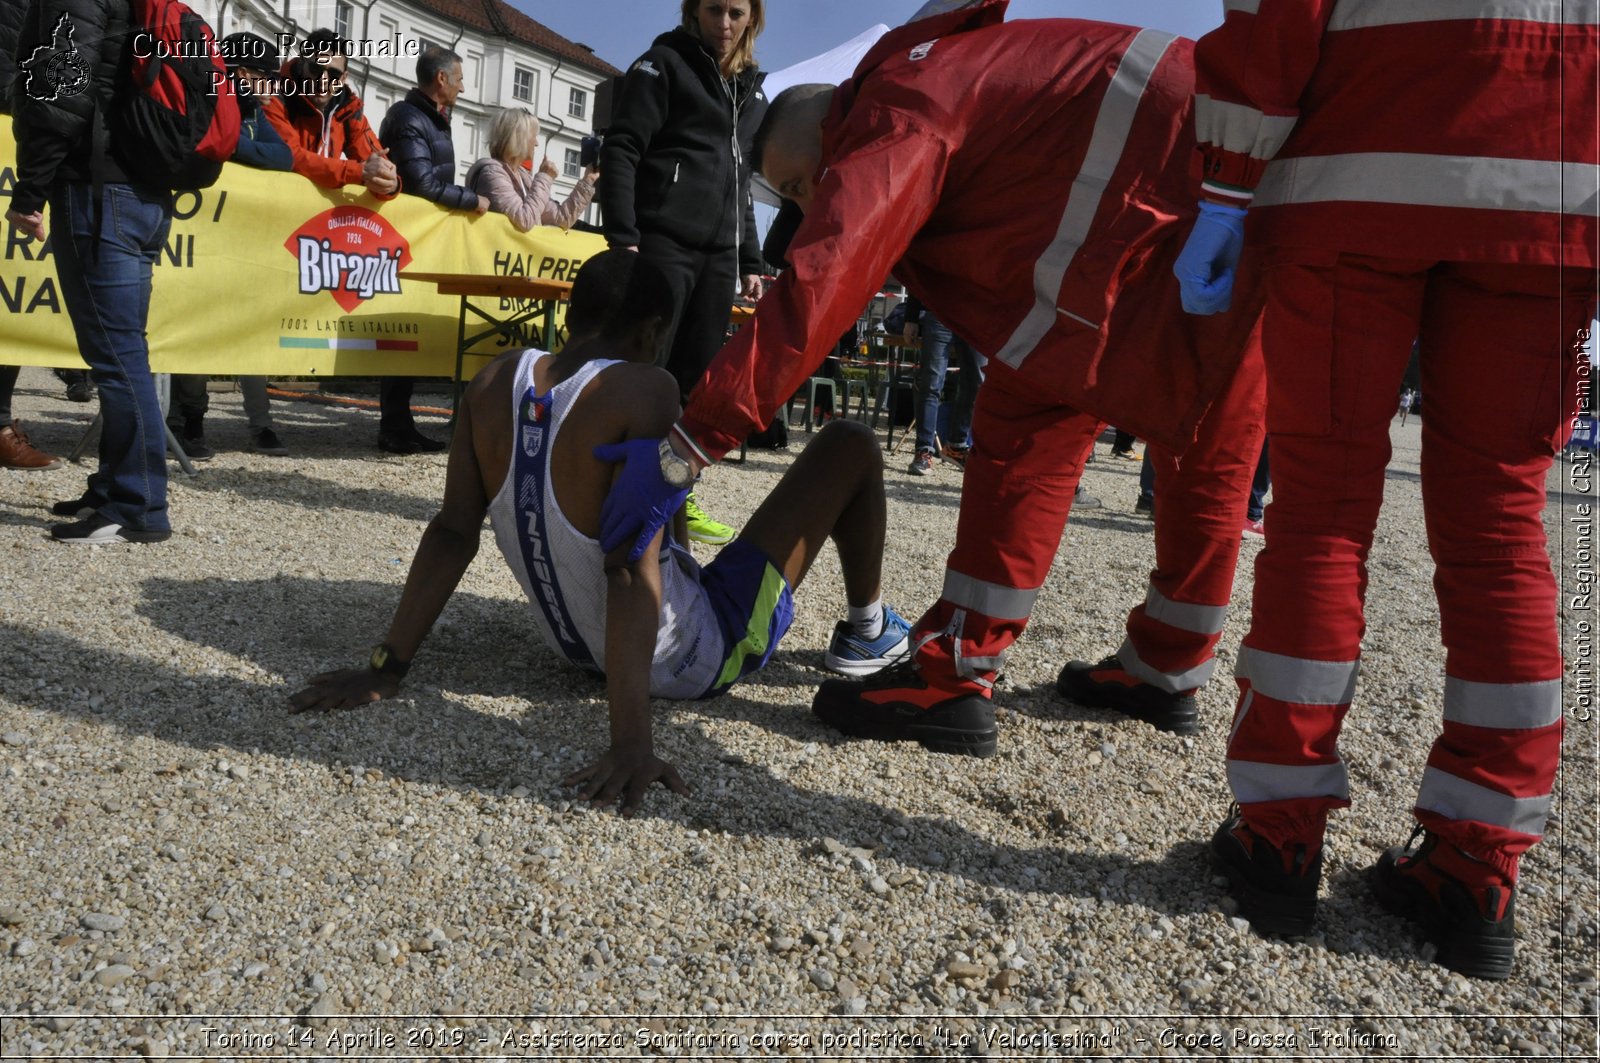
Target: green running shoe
[(702, 529)]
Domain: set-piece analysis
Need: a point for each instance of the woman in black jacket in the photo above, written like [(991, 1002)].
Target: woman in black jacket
[(675, 182)]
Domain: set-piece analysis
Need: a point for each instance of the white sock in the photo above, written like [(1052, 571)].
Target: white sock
[(867, 620)]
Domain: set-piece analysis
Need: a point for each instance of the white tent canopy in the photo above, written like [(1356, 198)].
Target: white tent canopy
[(832, 66)]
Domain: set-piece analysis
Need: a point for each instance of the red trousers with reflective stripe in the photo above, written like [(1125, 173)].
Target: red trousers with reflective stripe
[(1028, 452), (1201, 502), (1498, 377)]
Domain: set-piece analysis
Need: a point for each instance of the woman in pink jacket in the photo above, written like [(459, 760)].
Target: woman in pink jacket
[(506, 181)]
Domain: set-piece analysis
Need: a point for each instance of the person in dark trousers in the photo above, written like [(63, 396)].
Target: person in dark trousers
[(416, 132), (940, 347), (16, 452), (675, 182), (108, 233), (253, 63)]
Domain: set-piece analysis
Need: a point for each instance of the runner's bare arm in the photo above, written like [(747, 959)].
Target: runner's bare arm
[(645, 403), (447, 548)]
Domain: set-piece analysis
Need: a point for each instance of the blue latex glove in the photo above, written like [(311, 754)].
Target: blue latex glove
[(1207, 263), (641, 501)]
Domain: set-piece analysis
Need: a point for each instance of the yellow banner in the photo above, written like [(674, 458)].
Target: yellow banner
[(265, 273)]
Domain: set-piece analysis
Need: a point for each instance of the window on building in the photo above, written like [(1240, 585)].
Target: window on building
[(573, 167), (389, 30), (577, 104), (343, 19), (522, 84)]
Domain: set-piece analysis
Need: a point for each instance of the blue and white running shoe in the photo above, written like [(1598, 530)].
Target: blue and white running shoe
[(850, 654)]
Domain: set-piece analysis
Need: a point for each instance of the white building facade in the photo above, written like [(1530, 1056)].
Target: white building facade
[(507, 60)]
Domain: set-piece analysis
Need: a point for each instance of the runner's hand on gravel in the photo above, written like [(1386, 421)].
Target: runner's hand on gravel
[(625, 772), (347, 689)]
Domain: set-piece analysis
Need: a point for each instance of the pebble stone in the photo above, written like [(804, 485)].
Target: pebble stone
[(113, 976), (177, 844)]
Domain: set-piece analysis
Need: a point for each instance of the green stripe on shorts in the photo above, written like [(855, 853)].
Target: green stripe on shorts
[(759, 628)]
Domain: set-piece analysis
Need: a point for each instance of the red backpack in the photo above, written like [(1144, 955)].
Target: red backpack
[(180, 120)]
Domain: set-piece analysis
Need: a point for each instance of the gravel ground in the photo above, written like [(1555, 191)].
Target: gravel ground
[(181, 860)]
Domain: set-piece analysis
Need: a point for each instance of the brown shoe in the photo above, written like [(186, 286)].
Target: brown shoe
[(17, 453)]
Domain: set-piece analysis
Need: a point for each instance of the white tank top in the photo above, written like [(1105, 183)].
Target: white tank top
[(563, 571)]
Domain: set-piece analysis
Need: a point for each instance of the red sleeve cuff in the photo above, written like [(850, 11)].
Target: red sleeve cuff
[(708, 443), (1231, 175)]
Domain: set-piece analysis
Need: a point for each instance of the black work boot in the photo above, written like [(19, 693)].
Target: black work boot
[(1465, 906), (1108, 685), (1276, 889)]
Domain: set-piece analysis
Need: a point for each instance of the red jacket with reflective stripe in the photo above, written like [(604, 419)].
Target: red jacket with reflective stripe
[(1459, 130), (960, 153)]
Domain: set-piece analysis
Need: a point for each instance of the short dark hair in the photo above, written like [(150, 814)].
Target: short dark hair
[(778, 113), (434, 60), (615, 292), (325, 42), (315, 51)]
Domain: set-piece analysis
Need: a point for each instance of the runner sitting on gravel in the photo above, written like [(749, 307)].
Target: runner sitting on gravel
[(666, 627)]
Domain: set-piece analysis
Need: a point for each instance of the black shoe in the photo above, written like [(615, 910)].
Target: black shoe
[(78, 508), (96, 530), (195, 447), (267, 442), (77, 382), (1465, 907), (426, 444), (191, 436), (1276, 891), (1146, 505), (896, 705), (1108, 685), (396, 443)]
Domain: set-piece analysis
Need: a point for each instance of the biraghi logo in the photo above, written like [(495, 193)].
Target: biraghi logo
[(352, 253)]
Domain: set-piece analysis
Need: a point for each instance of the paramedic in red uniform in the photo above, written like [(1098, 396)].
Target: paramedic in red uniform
[(1033, 183), (1419, 169)]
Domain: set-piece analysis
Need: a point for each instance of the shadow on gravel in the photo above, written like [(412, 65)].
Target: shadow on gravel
[(292, 487), (431, 736), (480, 645), (1045, 702)]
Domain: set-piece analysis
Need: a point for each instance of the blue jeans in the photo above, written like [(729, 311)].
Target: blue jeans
[(939, 344), (104, 265), (1259, 486)]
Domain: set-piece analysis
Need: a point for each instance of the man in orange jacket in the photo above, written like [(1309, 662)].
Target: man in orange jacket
[(1408, 169), (322, 121)]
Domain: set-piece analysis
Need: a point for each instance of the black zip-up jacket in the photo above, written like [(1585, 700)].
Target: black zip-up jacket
[(418, 139), (57, 136), (672, 162), (11, 12)]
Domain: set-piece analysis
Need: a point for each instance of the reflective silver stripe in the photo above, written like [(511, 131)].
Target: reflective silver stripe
[(1296, 680), (1456, 798), (1253, 781), (1249, 7), (1106, 145), (1200, 619), (990, 599), (1179, 683), (1236, 127), (1433, 181), (1505, 706), (1361, 14), (1238, 717)]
